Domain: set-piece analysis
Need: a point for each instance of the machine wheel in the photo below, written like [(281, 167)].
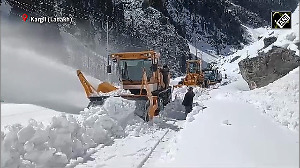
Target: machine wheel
[(199, 82)]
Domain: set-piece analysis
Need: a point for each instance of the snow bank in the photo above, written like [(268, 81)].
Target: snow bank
[(67, 139), (55, 145), (279, 99)]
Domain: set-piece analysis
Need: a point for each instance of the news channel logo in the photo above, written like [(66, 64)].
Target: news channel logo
[(281, 20)]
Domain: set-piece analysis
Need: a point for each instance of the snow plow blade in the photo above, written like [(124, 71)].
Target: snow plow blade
[(145, 108), (92, 94), (106, 87), (97, 101)]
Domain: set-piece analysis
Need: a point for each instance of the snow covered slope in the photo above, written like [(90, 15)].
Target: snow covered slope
[(285, 38), (279, 99), (205, 56)]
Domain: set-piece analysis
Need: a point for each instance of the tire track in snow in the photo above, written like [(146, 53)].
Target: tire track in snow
[(154, 148), (141, 164)]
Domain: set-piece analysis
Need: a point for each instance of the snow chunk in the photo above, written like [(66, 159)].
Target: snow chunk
[(66, 138)]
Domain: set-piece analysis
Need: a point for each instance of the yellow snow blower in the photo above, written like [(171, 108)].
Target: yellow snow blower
[(141, 75), (194, 75)]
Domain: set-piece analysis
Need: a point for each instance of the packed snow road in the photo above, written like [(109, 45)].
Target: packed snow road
[(230, 133)]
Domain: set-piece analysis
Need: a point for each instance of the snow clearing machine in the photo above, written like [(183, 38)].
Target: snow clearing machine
[(197, 76), (212, 75), (194, 75), (139, 73)]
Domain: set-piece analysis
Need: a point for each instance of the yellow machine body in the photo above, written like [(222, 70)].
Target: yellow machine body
[(139, 73), (90, 91), (194, 75)]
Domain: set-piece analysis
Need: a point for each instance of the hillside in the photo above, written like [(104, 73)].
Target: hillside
[(45, 122), (215, 27)]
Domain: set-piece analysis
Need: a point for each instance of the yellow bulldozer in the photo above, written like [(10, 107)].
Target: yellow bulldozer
[(194, 75), (140, 73)]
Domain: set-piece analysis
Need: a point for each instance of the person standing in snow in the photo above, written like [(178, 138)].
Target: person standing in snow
[(165, 74), (188, 100)]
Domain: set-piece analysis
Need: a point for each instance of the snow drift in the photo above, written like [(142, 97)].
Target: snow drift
[(68, 139), (279, 99)]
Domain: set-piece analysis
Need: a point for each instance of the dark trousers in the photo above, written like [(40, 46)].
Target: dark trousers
[(188, 109), (166, 82)]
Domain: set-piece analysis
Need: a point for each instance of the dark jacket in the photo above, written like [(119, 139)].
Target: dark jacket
[(188, 98), (165, 71)]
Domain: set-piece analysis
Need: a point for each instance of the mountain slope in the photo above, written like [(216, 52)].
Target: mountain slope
[(217, 25), (166, 26)]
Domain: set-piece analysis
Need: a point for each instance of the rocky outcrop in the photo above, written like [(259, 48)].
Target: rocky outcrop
[(269, 40), (268, 67)]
